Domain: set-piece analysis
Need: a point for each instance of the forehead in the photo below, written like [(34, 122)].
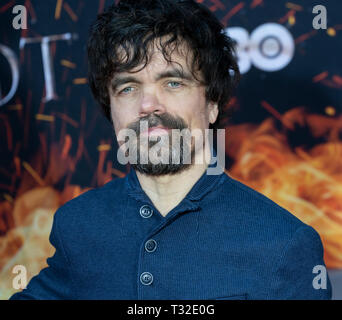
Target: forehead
[(177, 54)]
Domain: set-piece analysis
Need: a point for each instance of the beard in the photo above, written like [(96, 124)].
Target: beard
[(164, 154)]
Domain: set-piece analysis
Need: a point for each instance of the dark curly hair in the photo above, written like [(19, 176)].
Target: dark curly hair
[(132, 25)]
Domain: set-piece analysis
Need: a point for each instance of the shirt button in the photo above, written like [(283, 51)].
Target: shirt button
[(146, 211), (146, 278), (150, 245)]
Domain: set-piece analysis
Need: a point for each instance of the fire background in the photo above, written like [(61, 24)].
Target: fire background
[(283, 140)]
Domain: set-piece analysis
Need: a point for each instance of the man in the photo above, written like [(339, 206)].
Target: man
[(169, 230)]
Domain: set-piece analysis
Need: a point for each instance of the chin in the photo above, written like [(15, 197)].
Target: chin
[(160, 169)]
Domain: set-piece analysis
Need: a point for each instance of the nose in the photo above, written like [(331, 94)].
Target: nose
[(151, 103)]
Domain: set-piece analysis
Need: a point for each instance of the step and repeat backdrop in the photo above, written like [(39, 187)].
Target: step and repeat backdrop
[(284, 137)]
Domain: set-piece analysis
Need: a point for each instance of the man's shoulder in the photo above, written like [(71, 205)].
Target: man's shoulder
[(97, 200), (109, 189), (258, 211), (263, 226)]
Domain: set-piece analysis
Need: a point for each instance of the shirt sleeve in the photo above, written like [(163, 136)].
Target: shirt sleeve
[(53, 282), (300, 273)]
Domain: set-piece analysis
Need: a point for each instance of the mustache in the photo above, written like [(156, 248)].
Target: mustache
[(165, 120)]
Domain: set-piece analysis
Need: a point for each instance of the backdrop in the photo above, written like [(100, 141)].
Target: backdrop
[(284, 139)]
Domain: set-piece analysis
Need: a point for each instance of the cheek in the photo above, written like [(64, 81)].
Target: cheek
[(118, 120), (198, 114), (120, 114)]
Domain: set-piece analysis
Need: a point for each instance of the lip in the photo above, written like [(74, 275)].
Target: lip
[(155, 131)]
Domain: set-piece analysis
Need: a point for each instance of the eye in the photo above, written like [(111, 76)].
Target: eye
[(125, 90), (174, 84)]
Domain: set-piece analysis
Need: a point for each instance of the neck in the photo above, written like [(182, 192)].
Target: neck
[(167, 191)]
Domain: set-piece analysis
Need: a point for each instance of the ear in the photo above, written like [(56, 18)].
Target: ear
[(212, 112)]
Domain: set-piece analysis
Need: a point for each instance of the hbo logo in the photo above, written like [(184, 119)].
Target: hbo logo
[(270, 47)]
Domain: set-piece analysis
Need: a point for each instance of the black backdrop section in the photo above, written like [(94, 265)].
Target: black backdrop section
[(65, 140), (73, 100), (293, 85)]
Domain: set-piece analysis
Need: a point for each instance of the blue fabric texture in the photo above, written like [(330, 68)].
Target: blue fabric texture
[(223, 241)]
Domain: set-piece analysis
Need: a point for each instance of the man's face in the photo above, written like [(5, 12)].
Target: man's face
[(165, 96)]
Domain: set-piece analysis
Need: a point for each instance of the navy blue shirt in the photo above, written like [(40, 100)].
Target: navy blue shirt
[(224, 240)]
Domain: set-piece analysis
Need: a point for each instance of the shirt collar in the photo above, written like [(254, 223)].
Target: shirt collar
[(203, 185)]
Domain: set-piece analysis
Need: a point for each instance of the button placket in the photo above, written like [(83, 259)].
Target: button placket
[(146, 278), (145, 288)]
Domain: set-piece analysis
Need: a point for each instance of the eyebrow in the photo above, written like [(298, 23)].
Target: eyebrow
[(174, 73)]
